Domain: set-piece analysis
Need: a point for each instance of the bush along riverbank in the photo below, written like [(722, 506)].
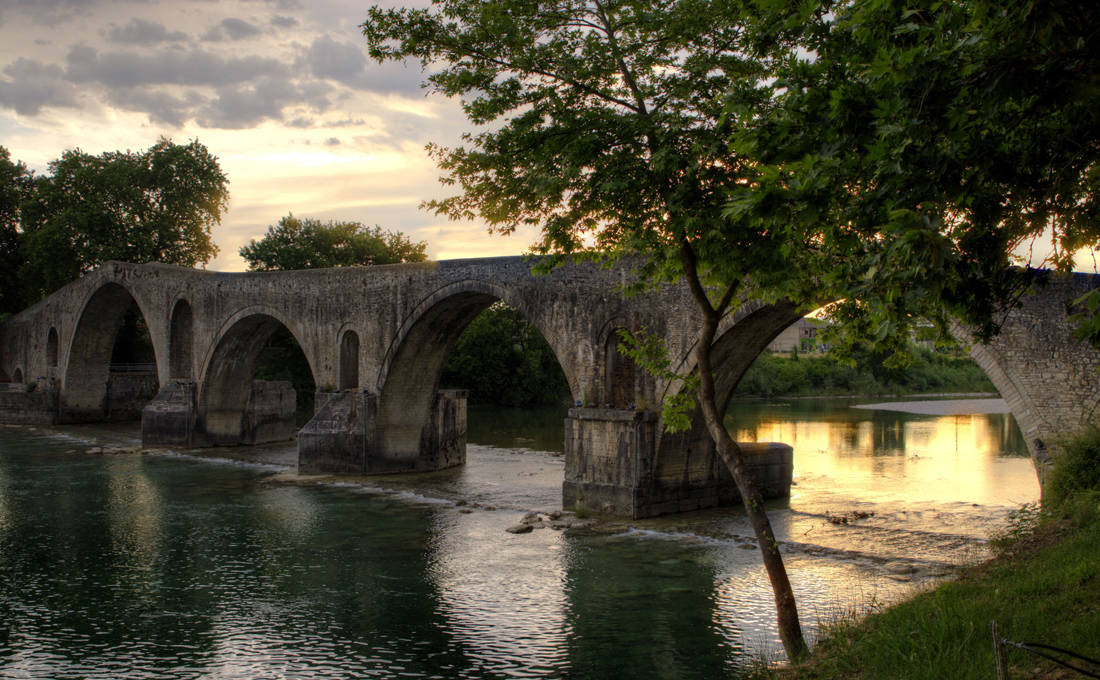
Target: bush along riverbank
[(1042, 586), (803, 376)]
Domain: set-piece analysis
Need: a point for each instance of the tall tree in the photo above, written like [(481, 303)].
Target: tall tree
[(16, 184), (603, 124), (306, 243), (157, 205), (932, 143)]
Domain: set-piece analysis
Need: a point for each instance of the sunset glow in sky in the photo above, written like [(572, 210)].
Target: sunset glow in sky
[(281, 91)]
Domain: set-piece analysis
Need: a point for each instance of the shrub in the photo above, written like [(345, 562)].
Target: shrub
[(1076, 469)]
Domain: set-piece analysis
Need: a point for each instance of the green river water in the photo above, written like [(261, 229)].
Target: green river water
[(171, 564)]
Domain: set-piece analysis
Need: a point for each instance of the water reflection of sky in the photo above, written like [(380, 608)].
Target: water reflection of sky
[(906, 457)]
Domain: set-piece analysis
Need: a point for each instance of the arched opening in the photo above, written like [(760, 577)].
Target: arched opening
[(349, 361), (621, 373), (51, 348), (111, 373), (18, 376), (258, 385), (474, 342), (760, 389), (180, 342), (518, 393)]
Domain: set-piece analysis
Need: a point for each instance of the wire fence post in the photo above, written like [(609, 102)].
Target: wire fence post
[(998, 653)]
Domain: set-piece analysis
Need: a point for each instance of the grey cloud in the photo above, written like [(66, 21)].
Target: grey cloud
[(283, 22), (161, 107), (141, 32), (347, 63), (300, 122), (247, 105), (195, 67), (340, 61), (284, 5), (231, 29), (33, 85), (332, 141), (47, 12)]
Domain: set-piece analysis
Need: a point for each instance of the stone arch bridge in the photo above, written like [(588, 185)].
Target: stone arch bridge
[(376, 339)]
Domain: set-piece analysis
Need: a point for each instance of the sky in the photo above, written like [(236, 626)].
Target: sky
[(281, 91)]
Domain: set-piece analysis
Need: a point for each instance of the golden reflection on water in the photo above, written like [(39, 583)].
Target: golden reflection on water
[(135, 512), (920, 458)]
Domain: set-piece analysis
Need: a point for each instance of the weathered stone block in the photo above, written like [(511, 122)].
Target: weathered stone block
[(169, 419), (33, 403), (443, 443), (272, 408), (342, 437), (339, 436)]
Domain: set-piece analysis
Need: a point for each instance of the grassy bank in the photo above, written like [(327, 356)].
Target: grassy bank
[(1043, 586), (781, 376)]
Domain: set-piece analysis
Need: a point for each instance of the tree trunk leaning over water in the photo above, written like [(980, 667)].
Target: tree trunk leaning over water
[(790, 629)]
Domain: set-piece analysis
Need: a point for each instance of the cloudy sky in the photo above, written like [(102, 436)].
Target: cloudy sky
[(281, 91)]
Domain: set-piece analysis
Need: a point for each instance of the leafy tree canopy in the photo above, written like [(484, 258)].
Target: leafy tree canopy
[(503, 359), (927, 143), (16, 184), (157, 205), (306, 243)]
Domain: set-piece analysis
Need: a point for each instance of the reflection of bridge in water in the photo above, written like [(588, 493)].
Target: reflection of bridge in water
[(376, 340)]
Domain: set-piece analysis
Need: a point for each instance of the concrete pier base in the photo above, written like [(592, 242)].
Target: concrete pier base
[(612, 467), (171, 418), (339, 436), (343, 438), (29, 403)]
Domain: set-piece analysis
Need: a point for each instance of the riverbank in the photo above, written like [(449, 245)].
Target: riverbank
[(1042, 586), (803, 376)]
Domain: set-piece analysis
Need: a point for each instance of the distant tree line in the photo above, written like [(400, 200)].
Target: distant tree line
[(868, 374)]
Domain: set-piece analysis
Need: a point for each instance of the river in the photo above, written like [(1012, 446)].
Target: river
[(172, 564)]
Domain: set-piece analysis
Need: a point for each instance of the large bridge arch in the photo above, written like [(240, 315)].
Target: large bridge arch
[(410, 371), (228, 412), (87, 358), (1045, 374)]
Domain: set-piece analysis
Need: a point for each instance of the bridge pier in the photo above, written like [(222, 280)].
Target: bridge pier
[(345, 437), (612, 466), (173, 417), (29, 403)]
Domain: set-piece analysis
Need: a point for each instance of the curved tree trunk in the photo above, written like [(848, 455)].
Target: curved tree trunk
[(790, 629)]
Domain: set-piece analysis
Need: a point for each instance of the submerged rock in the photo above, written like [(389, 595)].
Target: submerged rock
[(520, 529)]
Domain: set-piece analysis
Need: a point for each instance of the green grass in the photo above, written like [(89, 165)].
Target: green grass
[(1044, 586)]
